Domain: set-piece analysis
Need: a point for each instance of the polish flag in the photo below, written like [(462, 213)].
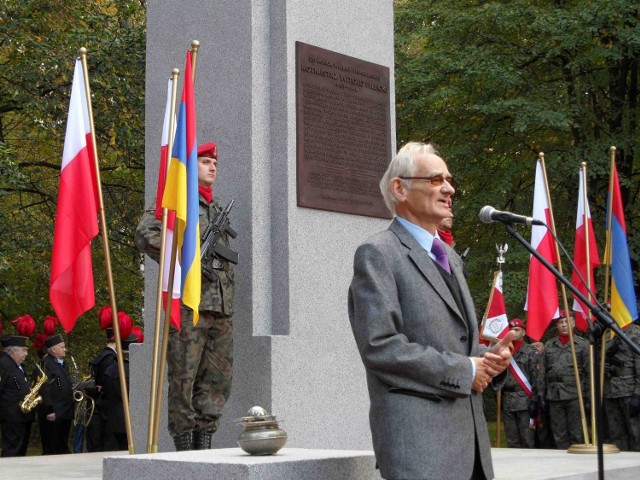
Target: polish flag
[(71, 290), (584, 266), (495, 324), (171, 216), (542, 291)]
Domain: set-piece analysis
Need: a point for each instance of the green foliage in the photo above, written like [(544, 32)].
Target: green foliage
[(495, 83), (39, 41)]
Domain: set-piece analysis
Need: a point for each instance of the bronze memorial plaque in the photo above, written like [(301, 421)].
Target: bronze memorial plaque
[(343, 132)]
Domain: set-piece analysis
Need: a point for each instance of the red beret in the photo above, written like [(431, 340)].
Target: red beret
[(208, 150), (562, 314), (516, 322)]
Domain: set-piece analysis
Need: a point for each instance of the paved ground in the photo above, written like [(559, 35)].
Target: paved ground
[(84, 466), (509, 464)]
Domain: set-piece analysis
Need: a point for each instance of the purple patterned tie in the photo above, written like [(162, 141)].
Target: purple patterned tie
[(437, 248)]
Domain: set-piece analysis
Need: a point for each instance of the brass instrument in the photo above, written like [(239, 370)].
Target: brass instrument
[(78, 395), (32, 399)]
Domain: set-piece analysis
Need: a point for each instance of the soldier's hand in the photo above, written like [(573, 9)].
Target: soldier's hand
[(634, 405)]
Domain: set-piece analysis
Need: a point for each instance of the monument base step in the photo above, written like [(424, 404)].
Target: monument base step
[(235, 464), (299, 463)]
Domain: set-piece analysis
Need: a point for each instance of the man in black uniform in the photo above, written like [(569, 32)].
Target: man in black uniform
[(114, 426), (96, 436), (14, 386), (56, 412)]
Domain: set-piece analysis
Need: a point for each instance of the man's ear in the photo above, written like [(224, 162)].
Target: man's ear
[(398, 189)]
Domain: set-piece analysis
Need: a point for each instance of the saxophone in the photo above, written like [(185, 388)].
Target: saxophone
[(32, 399)]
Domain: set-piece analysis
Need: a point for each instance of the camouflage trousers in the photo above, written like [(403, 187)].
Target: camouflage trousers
[(200, 368), (566, 424), (517, 430), (624, 431)]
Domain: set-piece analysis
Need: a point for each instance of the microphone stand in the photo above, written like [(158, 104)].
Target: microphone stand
[(603, 320)]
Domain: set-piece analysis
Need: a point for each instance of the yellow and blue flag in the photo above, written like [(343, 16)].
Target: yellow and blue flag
[(181, 194), (623, 298)]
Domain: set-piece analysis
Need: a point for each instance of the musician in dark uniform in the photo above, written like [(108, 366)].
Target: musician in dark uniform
[(14, 386), (96, 435), (56, 413), (114, 426)]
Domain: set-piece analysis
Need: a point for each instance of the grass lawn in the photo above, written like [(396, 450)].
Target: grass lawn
[(492, 426)]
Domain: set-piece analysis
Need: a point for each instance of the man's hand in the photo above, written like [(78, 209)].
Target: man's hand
[(497, 359), (51, 417), (483, 377)]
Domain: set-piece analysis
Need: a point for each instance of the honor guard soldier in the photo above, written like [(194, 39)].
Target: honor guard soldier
[(56, 413), (518, 408), (200, 357), (14, 387), (622, 391), (557, 383)]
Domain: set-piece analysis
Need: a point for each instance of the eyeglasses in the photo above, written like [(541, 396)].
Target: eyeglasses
[(435, 180)]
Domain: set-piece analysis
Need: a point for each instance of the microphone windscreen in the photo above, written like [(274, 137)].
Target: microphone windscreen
[(485, 214)]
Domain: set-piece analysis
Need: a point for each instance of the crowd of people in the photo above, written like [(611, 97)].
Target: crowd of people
[(51, 395), (199, 358), (540, 402), (414, 324)]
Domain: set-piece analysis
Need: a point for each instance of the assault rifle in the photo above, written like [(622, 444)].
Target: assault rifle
[(211, 251)]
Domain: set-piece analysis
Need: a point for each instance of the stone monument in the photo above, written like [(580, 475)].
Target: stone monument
[(294, 351)]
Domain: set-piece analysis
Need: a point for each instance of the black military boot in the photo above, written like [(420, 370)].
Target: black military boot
[(183, 441), (202, 439)]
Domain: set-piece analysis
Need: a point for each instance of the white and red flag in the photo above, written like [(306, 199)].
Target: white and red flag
[(495, 324), (71, 290), (583, 264), (542, 291), (171, 216)]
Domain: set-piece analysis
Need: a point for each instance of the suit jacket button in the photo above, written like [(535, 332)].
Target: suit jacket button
[(463, 338)]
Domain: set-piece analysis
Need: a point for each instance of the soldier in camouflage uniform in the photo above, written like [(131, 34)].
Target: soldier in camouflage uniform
[(557, 384), (200, 357), (516, 402), (622, 391)]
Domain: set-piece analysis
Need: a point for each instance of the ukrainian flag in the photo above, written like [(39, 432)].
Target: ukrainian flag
[(181, 194), (623, 298)]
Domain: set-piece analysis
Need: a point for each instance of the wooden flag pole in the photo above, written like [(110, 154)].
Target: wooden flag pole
[(565, 302), (152, 444), (107, 258), (607, 263)]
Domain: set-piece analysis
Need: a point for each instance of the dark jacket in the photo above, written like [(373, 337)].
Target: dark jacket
[(57, 392), (14, 386)]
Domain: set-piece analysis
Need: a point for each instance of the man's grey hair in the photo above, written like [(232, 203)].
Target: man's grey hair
[(403, 165)]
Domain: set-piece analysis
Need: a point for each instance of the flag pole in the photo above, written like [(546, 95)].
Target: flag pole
[(107, 259), (606, 261), (165, 343), (583, 416), (195, 45), (152, 447), (592, 364), (608, 245)]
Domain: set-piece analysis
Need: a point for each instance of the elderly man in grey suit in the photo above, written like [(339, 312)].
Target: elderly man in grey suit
[(415, 326)]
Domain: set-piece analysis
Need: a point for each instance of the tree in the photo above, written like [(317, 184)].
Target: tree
[(38, 45), (495, 83)]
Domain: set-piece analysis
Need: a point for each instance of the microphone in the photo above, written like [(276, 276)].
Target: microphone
[(489, 214)]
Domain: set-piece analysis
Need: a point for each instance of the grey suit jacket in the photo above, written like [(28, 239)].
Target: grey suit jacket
[(415, 344)]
